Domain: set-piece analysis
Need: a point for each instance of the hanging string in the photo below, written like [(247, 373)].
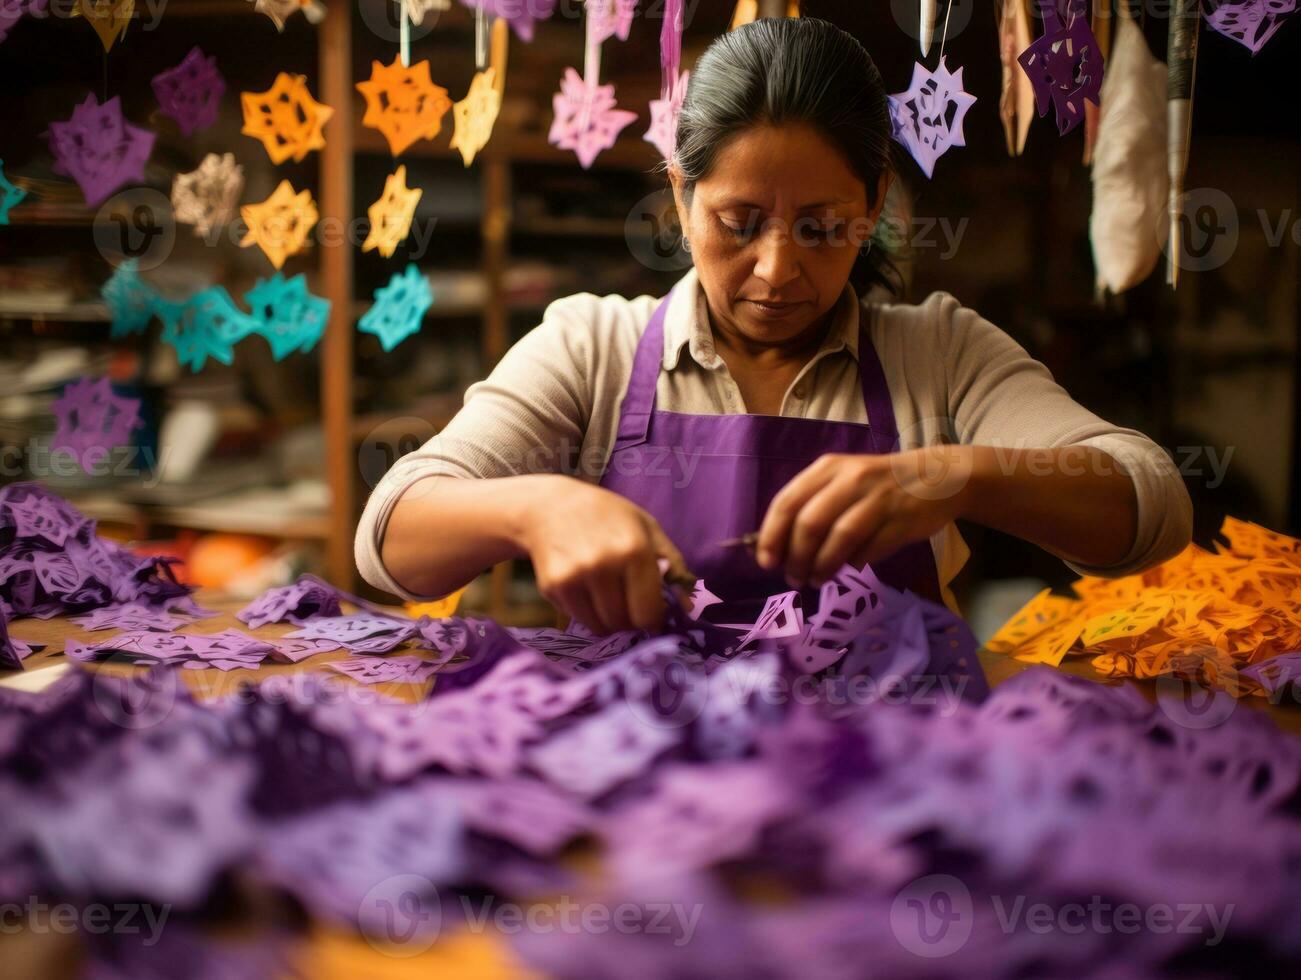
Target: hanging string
[(592, 55), (944, 36), (404, 32)]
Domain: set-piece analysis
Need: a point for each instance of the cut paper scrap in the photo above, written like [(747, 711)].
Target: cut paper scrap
[(1064, 65), (1016, 104), (130, 616), (288, 316), (279, 11), (99, 149), (93, 421), (587, 119), (207, 196), (227, 650), (285, 118), (403, 103), (381, 670), (520, 14), (362, 632), (109, 18), (13, 651), (207, 325), (927, 118), (437, 608), (399, 308), (10, 196), (392, 214), (130, 300), (610, 18), (1042, 631), (280, 225), (1249, 22), (191, 92)]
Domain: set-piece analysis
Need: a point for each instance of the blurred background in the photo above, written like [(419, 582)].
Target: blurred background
[(257, 470)]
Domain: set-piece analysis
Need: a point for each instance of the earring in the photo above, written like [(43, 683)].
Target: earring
[(686, 244), (865, 250)]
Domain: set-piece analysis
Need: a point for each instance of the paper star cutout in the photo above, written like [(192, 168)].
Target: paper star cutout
[(12, 11), (403, 103), (399, 308), (1250, 22), (279, 11), (280, 224), (392, 214), (1064, 66), (663, 132), (208, 196), (475, 115), (109, 18), (99, 149), (520, 14), (208, 324), (587, 121), (928, 116), (130, 300), (10, 195), (610, 17), (191, 92), (286, 118), (289, 317), (92, 420)]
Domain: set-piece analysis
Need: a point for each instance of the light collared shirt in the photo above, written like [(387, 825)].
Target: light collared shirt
[(552, 405)]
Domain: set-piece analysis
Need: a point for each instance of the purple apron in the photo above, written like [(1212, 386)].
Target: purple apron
[(741, 462)]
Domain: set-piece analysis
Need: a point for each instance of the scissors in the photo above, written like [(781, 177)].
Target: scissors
[(744, 541)]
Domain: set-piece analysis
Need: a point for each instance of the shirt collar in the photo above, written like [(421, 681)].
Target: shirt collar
[(686, 324)]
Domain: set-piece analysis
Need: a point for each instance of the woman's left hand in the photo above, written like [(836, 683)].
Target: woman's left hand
[(850, 508)]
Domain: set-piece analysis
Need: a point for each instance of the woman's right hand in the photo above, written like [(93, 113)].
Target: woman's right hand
[(596, 554)]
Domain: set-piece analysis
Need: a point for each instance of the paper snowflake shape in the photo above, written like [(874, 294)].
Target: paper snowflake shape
[(12, 11), (1250, 22), (280, 224), (286, 118), (92, 420), (403, 103), (130, 300), (663, 132), (1064, 66), (520, 14), (99, 149), (606, 18), (208, 196), (10, 195), (191, 92), (279, 11), (399, 308), (208, 324), (587, 120), (392, 214), (475, 115), (928, 116), (288, 316), (109, 18)]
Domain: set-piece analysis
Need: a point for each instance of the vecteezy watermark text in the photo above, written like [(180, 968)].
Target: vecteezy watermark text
[(122, 918)]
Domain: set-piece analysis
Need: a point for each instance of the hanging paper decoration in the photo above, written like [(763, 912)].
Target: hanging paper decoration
[(587, 120), (474, 116), (109, 18), (1064, 65), (520, 14), (928, 116), (280, 224), (610, 18), (131, 302), (403, 103), (926, 26), (92, 421), (1102, 16), (418, 10), (12, 11), (392, 214), (281, 10), (1250, 22), (207, 197), (99, 149), (665, 110), (208, 324), (10, 195), (1181, 68), (286, 118), (191, 92), (288, 316), (1016, 104), (399, 308)]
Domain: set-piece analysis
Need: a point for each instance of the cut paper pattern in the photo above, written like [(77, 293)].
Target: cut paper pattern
[(93, 421), (286, 119), (280, 224), (587, 119), (928, 117), (610, 18), (391, 215), (10, 196), (663, 132), (191, 92), (379, 670), (288, 316), (403, 103), (1064, 65), (99, 149), (109, 18), (130, 616), (520, 14), (1249, 22), (207, 325), (207, 196), (131, 302), (475, 115), (227, 650), (399, 308)]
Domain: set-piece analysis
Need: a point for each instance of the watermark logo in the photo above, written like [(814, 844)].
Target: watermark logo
[(388, 442), (136, 702), (652, 234), (135, 224), (1207, 221), (950, 20), (401, 916), (932, 916)]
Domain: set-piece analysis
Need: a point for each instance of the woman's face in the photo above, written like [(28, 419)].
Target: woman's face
[(774, 231)]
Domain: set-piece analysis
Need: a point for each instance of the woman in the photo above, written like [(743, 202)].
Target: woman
[(762, 394)]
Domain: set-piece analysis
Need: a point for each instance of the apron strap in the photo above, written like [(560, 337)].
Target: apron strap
[(876, 395), (639, 399)]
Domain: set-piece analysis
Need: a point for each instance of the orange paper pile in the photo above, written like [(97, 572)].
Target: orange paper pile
[(1203, 615)]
